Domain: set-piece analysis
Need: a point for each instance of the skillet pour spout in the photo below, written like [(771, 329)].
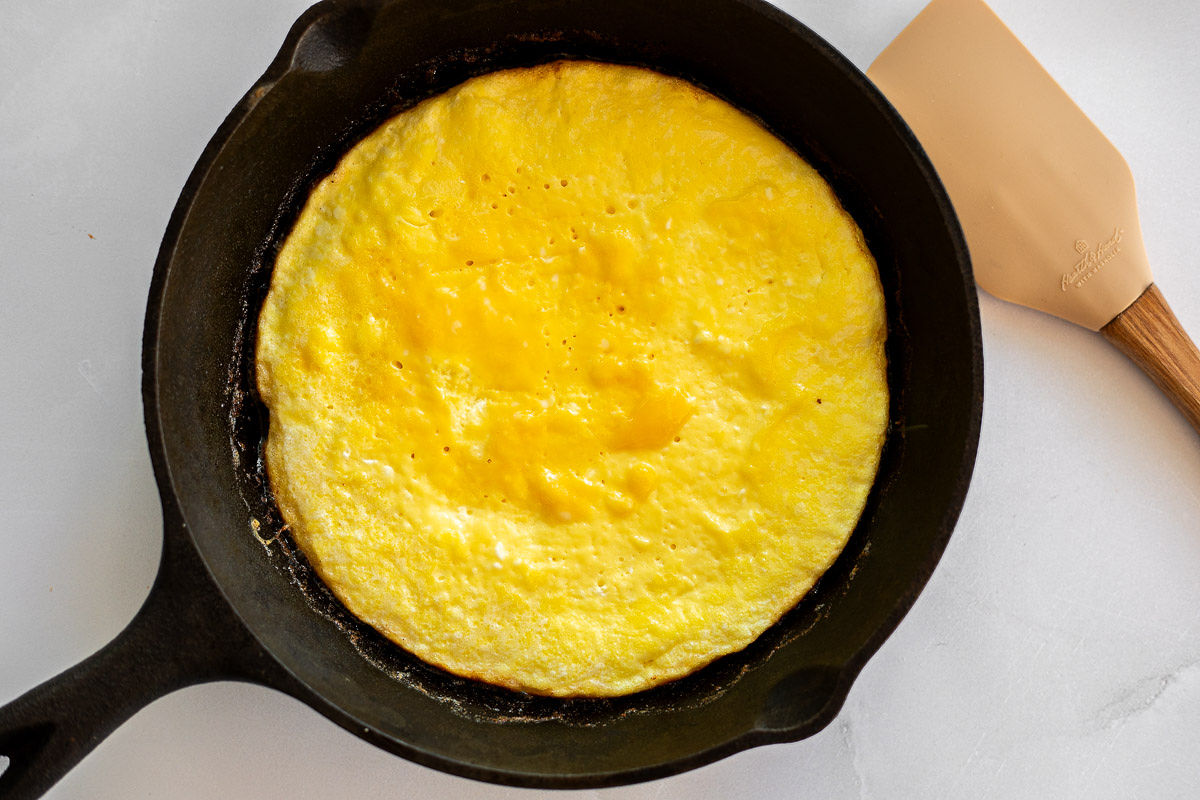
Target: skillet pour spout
[(234, 600)]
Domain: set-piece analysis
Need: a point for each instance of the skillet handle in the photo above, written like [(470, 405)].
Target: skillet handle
[(184, 634)]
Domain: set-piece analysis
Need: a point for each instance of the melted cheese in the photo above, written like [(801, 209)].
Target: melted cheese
[(576, 379)]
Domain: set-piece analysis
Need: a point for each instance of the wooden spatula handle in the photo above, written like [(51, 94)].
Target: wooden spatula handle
[(1152, 337)]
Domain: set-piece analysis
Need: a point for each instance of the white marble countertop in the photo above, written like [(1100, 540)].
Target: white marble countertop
[(1055, 652)]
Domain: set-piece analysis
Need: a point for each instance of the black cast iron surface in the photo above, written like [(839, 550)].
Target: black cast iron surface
[(234, 600)]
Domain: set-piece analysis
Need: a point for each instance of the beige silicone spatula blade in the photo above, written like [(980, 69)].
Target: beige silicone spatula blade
[(1045, 200)]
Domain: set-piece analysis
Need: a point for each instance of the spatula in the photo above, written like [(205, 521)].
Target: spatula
[(1046, 202)]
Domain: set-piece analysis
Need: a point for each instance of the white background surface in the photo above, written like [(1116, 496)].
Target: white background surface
[(1055, 653)]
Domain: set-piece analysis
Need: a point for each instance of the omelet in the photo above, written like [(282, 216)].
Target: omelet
[(576, 379)]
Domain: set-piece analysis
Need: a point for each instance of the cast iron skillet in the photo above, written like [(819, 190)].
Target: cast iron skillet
[(233, 600)]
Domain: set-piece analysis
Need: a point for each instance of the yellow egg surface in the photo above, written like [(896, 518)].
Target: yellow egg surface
[(576, 379)]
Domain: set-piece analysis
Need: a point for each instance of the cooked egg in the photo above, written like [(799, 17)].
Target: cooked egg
[(576, 379)]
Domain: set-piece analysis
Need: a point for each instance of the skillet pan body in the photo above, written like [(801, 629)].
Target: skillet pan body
[(345, 67)]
